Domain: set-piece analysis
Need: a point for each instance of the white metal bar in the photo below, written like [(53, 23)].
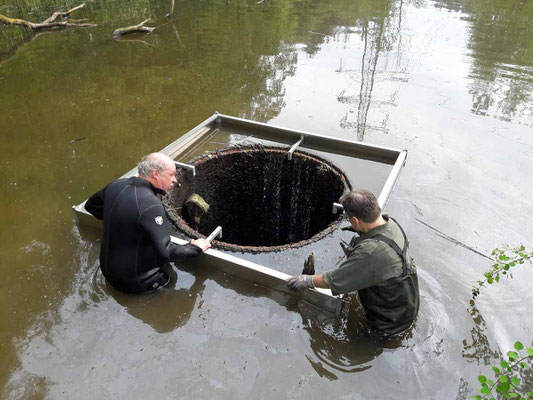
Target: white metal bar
[(336, 208), (294, 146), (388, 153), (168, 149), (216, 233), (244, 269), (186, 166), (391, 180)]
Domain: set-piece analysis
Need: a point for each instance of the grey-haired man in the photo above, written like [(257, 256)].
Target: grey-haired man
[(136, 244)]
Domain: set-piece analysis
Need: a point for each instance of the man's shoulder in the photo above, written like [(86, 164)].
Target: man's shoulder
[(393, 231), (365, 248), (117, 184)]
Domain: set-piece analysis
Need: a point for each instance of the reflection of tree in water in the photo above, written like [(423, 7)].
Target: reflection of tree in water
[(502, 58), (379, 32), (232, 57), (479, 349), (269, 101)]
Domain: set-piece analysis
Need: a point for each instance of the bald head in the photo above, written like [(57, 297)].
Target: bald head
[(154, 162)]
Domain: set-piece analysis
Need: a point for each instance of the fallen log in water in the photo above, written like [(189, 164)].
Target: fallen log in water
[(133, 29), (48, 23)]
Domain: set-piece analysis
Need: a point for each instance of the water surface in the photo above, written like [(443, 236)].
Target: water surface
[(450, 81)]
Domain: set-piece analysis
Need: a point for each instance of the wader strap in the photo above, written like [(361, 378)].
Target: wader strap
[(396, 248)]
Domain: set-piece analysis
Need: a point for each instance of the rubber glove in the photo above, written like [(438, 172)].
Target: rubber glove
[(300, 282)]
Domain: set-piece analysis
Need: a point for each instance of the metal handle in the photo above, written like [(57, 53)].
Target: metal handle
[(214, 234), (187, 166), (336, 208), (294, 146)]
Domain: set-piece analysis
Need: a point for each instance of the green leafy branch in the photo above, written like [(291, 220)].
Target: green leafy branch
[(506, 384), (505, 259)]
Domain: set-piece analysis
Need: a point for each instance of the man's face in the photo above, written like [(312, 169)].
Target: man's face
[(165, 179)]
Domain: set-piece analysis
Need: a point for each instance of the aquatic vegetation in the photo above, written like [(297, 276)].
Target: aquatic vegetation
[(507, 381), (505, 259)]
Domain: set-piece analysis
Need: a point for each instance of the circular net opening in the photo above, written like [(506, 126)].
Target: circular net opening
[(262, 200)]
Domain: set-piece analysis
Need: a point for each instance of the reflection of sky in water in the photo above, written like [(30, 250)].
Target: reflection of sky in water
[(445, 59), (449, 80)]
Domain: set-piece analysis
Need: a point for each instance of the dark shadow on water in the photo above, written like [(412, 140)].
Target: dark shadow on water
[(167, 308), (345, 344)]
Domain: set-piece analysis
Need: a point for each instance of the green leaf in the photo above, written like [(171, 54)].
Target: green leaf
[(512, 355), (515, 381), (529, 351), (482, 378), (506, 386), (490, 382), (513, 394), (518, 345), (504, 364), (485, 390), (477, 397), (495, 369), (504, 379)]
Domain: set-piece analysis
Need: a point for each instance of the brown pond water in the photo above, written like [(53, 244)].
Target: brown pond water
[(451, 81)]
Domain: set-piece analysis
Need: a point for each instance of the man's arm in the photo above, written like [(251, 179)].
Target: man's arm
[(318, 281), (306, 281), (353, 274), (95, 204), (152, 221)]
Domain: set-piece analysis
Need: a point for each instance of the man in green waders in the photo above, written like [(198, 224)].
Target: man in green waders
[(378, 266)]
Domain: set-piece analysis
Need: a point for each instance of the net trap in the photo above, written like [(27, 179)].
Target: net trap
[(267, 198)]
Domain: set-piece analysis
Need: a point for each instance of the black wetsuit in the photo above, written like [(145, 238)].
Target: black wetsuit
[(135, 244)]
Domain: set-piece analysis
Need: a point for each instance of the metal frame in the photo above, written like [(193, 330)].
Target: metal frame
[(244, 269)]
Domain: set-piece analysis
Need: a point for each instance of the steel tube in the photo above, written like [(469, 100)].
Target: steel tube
[(336, 208), (217, 232), (316, 141), (186, 166), (294, 146), (391, 180)]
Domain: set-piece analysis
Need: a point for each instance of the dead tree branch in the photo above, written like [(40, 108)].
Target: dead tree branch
[(48, 23), (133, 29)]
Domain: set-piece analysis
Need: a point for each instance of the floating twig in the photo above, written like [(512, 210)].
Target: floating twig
[(455, 241), (77, 140), (139, 28)]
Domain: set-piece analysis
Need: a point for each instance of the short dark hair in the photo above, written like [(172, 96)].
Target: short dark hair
[(361, 204)]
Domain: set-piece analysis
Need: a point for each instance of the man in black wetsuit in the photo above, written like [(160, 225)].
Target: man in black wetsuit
[(136, 244)]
